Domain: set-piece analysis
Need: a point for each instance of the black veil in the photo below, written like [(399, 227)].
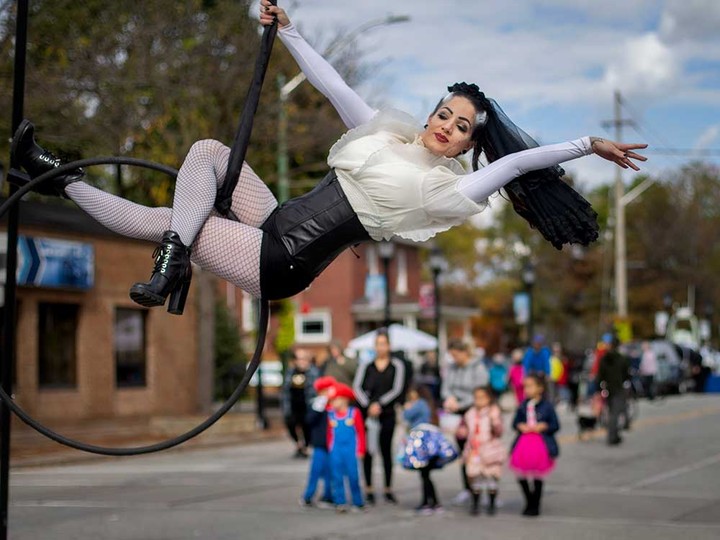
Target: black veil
[(541, 197)]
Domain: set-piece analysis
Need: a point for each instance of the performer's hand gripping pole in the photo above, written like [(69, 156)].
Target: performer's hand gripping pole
[(242, 136)]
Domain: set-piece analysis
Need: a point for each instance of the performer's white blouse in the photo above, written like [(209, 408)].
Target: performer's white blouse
[(396, 185)]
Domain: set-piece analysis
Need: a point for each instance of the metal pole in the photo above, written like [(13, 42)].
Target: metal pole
[(261, 421), (386, 270), (436, 292), (530, 324), (620, 245), (282, 157), (8, 350)]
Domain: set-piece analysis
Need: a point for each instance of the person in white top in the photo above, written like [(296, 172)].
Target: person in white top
[(648, 369), (389, 177)]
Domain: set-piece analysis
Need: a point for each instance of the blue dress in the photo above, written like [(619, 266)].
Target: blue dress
[(425, 445)]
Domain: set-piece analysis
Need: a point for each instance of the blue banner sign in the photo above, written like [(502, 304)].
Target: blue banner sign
[(49, 262)]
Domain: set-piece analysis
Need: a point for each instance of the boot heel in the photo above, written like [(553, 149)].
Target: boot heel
[(176, 305)]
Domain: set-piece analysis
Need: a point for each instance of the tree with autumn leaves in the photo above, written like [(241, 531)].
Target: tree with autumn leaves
[(673, 239), (147, 79)]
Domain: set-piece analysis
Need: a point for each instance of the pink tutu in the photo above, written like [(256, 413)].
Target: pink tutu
[(530, 457)]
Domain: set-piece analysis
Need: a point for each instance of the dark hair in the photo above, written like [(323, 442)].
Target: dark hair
[(424, 393), (458, 345), (539, 380), (488, 391), (335, 343), (383, 332)]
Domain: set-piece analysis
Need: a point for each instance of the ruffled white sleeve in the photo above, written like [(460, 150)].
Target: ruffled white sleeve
[(482, 183), (350, 106)]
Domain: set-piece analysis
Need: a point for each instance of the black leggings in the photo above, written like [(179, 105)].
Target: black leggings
[(463, 471), (429, 497), (387, 428), (296, 420)]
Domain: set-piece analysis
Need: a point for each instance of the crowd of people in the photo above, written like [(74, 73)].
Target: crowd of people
[(348, 413)]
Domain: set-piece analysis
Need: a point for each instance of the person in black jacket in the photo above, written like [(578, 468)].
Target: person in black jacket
[(316, 420), (297, 392), (613, 373), (378, 386)]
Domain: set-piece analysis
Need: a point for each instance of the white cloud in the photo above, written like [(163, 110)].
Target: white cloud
[(707, 137), (690, 20), (646, 66)]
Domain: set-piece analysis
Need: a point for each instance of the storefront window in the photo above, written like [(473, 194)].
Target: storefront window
[(130, 357), (315, 327), (57, 345)]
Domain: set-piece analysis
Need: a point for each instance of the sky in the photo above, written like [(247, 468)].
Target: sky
[(552, 65)]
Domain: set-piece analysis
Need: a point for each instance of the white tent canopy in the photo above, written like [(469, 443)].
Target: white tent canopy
[(402, 338)]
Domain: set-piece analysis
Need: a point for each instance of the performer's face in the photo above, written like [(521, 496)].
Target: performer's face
[(449, 128)]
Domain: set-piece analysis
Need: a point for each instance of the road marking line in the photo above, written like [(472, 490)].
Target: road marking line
[(646, 422), (87, 504), (655, 479)]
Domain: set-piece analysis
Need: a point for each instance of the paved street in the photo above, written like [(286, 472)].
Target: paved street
[(663, 483)]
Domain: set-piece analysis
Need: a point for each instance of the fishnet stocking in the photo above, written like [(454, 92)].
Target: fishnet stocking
[(200, 175), (120, 215), (229, 249)]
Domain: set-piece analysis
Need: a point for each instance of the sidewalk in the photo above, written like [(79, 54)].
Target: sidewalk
[(31, 449)]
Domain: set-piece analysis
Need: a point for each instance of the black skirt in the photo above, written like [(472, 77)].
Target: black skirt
[(303, 236)]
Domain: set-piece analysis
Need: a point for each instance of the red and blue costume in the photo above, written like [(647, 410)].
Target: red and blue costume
[(317, 422), (346, 442)]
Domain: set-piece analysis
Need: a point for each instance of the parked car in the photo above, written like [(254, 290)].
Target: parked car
[(672, 375)]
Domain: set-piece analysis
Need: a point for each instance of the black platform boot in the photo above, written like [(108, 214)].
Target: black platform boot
[(537, 497), (475, 506), (492, 494), (525, 486), (32, 157), (170, 277)]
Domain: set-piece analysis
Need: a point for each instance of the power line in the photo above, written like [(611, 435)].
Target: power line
[(683, 152), (664, 148)]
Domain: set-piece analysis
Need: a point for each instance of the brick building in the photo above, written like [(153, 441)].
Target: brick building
[(84, 349), (342, 302)]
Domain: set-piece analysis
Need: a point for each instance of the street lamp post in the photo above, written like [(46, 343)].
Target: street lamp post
[(437, 264), (385, 251), (287, 88), (528, 277)]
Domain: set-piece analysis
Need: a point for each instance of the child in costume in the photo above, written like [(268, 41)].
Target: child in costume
[(317, 421), (535, 448), (484, 453), (346, 444), (426, 447), (517, 375)]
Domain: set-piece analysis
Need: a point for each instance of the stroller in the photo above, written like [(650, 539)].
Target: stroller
[(588, 409)]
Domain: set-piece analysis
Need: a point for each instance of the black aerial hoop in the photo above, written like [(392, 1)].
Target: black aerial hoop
[(223, 200), (13, 200)]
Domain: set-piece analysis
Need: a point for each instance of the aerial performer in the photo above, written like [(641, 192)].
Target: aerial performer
[(388, 177)]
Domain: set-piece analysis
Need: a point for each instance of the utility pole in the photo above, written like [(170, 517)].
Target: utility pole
[(620, 246), (282, 157)]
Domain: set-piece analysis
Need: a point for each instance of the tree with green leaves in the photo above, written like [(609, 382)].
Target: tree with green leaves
[(147, 79)]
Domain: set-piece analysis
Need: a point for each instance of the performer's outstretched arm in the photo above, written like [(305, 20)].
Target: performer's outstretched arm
[(349, 105), (479, 185)]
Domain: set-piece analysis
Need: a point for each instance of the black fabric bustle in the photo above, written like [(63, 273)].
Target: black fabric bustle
[(541, 197)]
